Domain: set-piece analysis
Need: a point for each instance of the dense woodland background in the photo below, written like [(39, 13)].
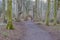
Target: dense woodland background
[(29, 19), (46, 11)]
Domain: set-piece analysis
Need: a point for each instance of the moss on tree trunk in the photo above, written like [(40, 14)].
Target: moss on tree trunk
[(55, 12), (9, 15), (47, 14), (10, 25)]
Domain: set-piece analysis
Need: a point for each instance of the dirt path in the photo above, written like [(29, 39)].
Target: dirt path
[(24, 31), (33, 32)]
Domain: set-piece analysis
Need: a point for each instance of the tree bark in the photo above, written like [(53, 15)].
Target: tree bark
[(55, 12), (35, 11), (9, 14), (3, 8), (19, 4), (47, 14)]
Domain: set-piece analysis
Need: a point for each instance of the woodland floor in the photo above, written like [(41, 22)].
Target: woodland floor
[(53, 30), (28, 31)]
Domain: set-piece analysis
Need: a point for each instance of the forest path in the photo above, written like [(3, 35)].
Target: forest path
[(33, 32)]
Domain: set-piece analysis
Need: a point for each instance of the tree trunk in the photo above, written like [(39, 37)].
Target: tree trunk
[(47, 14), (3, 8), (41, 12), (26, 11), (9, 14), (58, 4), (19, 2), (35, 11), (55, 12)]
